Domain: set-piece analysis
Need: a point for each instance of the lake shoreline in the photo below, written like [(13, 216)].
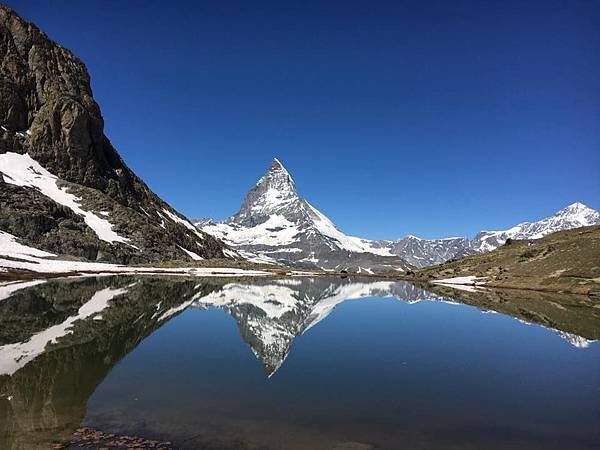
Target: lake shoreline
[(533, 284)]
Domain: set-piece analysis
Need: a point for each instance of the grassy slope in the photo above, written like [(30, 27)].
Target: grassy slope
[(566, 261)]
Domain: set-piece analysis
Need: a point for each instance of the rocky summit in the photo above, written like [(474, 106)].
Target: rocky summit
[(275, 224), (64, 189)]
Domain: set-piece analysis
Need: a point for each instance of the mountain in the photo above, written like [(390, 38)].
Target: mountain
[(428, 252), (565, 261), (275, 224), (573, 216), (64, 189)]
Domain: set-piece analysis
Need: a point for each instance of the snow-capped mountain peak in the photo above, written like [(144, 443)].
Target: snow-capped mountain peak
[(278, 179), (277, 167), (274, 193), (578, 213), (276, 224), (572, 216)]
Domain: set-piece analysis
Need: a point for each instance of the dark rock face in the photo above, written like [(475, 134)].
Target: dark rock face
[(47, 110)]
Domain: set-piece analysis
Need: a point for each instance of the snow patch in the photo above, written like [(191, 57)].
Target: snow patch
[(469, 283), (194, 256), (23, 170)]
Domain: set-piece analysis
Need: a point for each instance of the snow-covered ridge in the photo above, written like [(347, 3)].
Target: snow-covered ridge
[(23, 170), (350, 243), (425, 252)]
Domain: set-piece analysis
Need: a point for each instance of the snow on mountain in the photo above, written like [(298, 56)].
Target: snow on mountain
[(275, 224), (23, 170), (573, 216), (428, 252), (17, 256)]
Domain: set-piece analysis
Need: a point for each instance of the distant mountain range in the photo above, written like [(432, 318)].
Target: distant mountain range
[(64, 188), (274, 224), (427, 252)]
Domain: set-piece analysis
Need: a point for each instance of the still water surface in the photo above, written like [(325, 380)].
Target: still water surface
[(320, 363)]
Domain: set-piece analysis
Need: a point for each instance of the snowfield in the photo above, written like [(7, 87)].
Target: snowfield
[(277, 230), (468, 283)]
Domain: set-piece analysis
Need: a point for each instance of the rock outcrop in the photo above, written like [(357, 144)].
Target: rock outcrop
[(48, 112)]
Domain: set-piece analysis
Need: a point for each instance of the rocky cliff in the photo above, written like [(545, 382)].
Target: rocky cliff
[(83, 191)]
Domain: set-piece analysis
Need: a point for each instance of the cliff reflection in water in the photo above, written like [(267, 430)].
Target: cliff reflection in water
[(59, 339)]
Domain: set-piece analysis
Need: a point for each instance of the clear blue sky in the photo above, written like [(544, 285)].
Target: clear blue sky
[(432, 118)]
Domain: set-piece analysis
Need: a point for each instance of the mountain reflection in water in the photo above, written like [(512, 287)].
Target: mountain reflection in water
[(60, 339)]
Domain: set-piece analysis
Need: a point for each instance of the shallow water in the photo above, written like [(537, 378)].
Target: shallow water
[(302, 363)]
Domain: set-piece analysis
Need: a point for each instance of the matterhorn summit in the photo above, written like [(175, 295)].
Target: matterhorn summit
[(274, 194), (275, 224)]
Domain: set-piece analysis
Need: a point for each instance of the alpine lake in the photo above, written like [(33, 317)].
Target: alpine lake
[(296, 363)]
